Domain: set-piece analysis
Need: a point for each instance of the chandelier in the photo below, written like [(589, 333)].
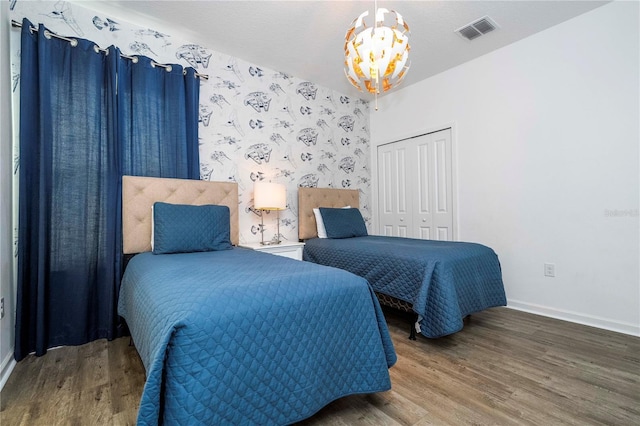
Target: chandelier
[(376, 58)]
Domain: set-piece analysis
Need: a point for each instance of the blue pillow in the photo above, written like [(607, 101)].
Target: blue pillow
[(343, 223), (180, 228)]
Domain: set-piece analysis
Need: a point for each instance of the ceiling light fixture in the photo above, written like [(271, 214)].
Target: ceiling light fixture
[(376, 58)]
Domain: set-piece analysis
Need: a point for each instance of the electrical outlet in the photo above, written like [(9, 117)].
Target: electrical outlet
[(2, 308), (549, 270)]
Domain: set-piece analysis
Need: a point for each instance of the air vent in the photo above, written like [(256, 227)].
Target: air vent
[(477, 28)]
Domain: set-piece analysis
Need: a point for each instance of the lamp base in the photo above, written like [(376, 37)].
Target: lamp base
[(270, 243), (276, 238)]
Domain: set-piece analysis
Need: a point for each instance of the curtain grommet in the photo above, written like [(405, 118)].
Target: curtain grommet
[(98, 49), (166, 67), (48, 34)]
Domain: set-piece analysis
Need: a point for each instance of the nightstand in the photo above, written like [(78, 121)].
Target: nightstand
[(291, 250)]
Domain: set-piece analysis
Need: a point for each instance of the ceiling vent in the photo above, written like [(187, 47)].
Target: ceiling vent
[(477, 28)]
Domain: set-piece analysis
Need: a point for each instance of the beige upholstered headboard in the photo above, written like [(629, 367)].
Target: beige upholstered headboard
[(310, 198), (139, 194)]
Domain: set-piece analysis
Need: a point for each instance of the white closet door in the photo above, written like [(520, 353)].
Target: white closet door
[(415, 196), (423, 203), (393, 201), (442, 218)]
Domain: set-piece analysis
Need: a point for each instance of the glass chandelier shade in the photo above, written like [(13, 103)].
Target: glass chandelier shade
[(377, 58)]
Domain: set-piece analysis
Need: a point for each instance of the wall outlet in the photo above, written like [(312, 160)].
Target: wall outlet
[(2, 308), (549, 270)]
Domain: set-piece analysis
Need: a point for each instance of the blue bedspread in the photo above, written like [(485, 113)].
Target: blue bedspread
[(242, 337), (443, 280)]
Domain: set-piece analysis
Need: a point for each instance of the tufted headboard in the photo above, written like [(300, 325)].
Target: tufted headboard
[(310, 198), (139, 194)]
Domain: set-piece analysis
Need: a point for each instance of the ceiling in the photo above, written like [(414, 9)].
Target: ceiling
[(306, 38)]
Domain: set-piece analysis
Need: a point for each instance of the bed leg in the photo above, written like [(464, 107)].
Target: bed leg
[(415, 318)]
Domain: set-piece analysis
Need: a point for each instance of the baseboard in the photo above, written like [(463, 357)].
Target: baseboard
[(590, 320), (6, 368)]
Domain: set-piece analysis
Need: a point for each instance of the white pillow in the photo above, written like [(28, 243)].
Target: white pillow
[(322, 232)]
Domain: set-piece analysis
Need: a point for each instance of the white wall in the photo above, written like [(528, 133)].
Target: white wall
[(547, 138), (6, 255)]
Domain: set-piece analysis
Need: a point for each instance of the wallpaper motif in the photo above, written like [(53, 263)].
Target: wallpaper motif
[(255, 123)]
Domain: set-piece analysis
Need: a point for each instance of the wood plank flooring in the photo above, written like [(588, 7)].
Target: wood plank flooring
[(505, 367)]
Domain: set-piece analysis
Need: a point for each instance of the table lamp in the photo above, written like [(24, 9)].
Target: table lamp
[(269, 196)]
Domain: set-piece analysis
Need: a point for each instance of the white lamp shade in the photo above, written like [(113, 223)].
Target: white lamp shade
[(269, 196)]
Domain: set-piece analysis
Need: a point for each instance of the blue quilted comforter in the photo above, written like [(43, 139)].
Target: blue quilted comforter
[(443, 280), (242, 337)]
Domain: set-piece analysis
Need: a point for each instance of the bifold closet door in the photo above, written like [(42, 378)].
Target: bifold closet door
[(415, 190), (433, 203), (393, 178)]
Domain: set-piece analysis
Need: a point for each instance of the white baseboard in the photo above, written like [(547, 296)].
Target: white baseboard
[(6, 368), (590, 320)]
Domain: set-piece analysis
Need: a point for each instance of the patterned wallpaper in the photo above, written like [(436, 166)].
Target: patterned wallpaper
[(255, 123)]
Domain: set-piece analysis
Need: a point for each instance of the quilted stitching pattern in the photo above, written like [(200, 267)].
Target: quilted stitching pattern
[(184, 228), (443, 280), (247, 347), (343, 223)]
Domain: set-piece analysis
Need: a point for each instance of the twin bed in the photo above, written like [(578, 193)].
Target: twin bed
[(440, 282), (234, 336)]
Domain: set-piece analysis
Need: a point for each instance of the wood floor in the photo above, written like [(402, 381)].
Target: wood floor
[(505, 367)]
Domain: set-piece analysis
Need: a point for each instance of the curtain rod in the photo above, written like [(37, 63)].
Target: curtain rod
[(97, 48)]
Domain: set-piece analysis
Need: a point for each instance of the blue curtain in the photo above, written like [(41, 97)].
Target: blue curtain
[(77, 138), (157, 113)]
